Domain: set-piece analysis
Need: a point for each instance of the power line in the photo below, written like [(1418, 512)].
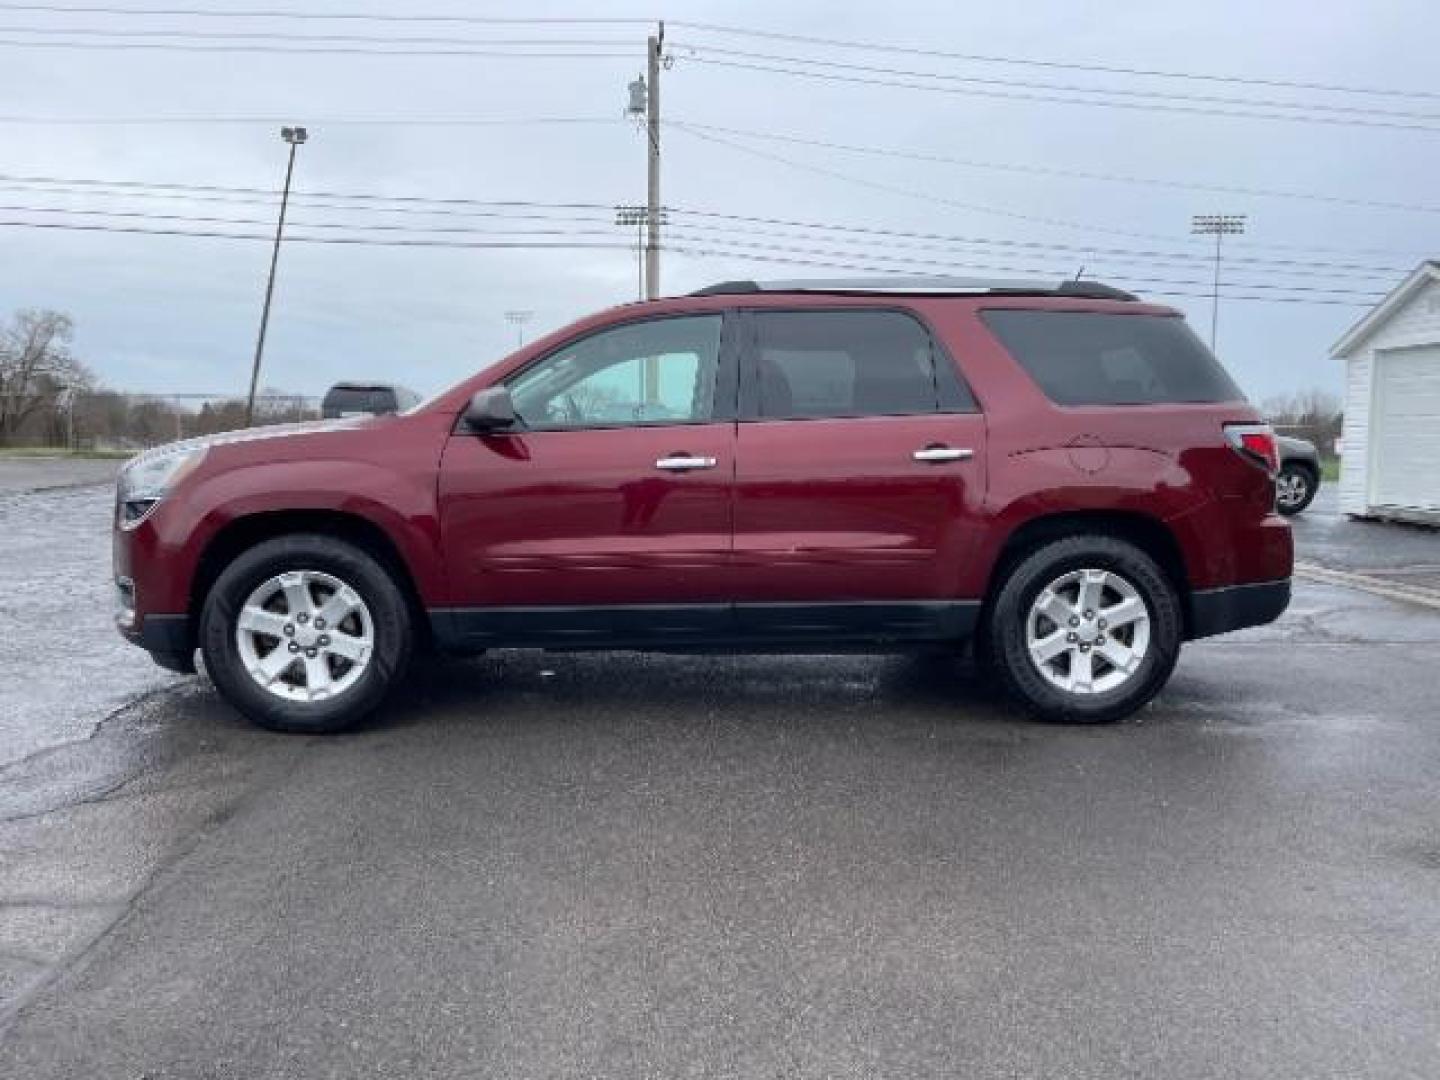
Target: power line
[(176, 46), (725, 30), (352, 226), (757, 252), (263, 13), (406, 46), (472, 207), (966, 265), (1093, 68), (941, 200), (1041, 170), (308, 204), (1057, 99), (571, 231), (318, 194), (274, 44), (878, 268), (271, 35), (328, 121), (343, 240), (1306, 268), (910, 193), (1069, 88)]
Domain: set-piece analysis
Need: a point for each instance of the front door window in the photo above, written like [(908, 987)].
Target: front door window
[(656, 372)]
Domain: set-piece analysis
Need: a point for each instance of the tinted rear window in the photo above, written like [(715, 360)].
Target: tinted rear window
[(1103, 358)]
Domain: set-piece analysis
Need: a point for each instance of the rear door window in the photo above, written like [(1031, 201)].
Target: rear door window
[(1109, 358), (813, 364)]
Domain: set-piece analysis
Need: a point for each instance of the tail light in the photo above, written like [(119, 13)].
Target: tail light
[(1256, 444)]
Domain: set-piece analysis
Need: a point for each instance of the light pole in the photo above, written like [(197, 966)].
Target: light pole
[(1218, 225), (294, 136), (518, 318)]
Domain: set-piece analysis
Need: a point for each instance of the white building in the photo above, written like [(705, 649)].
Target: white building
[(1390, 464)]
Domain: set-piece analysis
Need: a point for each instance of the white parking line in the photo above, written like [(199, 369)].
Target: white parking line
[(1393, 590)]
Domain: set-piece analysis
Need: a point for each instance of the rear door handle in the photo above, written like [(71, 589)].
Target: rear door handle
[(943, 453), (684, 463)]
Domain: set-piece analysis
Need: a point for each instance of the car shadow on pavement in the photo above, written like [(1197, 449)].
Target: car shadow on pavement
[(682, 690)]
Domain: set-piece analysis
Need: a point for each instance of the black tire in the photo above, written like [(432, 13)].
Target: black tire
[(389, 614), (1305, 485), (1004, 634)]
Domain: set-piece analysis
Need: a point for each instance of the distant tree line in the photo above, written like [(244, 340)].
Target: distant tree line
[(48, 397), (1312, 414)]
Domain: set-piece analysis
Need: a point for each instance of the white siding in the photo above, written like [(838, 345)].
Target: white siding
[(1355, 455), (1416, 323)]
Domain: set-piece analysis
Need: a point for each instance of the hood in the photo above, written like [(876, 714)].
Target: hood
[(254, 434)]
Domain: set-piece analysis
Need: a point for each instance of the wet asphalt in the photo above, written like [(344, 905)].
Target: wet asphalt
[(643, 866)]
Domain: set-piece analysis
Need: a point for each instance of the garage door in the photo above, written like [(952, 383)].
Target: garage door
[(1405, 468)]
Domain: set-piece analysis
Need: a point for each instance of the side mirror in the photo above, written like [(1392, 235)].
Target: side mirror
[(490, 410)]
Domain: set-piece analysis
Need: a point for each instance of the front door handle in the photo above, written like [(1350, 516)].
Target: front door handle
[(684, 463), (943, 453)]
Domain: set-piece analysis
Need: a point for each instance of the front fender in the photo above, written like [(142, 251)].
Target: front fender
[(400, 503)]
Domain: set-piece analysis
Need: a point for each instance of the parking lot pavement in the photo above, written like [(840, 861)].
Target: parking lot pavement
[(62, 666), (621, 865), (1327, 537), (41, 473)]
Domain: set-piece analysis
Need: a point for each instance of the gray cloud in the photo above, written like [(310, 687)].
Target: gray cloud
[(160, 313)]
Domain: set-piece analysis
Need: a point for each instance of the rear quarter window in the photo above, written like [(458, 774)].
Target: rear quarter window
[(1110, 358)]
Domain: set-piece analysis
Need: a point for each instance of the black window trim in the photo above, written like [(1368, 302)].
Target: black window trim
[(954, 396), (723, 408)]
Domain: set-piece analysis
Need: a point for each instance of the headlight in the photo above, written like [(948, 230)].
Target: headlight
[(147, 479)]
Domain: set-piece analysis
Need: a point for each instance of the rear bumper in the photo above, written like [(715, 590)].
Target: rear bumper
[(1218, 611)]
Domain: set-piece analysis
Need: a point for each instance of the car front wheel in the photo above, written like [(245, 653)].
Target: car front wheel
[(305, 633), (1295, 488), (1084, 630)]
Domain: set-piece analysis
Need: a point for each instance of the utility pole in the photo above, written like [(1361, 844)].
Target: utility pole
[(1218, 225), (654, 44), (294, 136)]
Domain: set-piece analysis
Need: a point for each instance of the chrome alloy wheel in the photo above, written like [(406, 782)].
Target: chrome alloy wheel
[(1088, 631), (1290, 489), (305, 635)]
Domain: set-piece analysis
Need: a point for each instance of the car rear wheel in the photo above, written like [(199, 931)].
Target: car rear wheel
[(1295, 488), (1084, 630), (305, 633)]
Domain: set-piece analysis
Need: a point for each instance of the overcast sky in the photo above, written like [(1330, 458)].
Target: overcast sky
[(178, 314)]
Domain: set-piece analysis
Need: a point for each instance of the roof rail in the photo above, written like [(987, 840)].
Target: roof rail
[(1088, 290)]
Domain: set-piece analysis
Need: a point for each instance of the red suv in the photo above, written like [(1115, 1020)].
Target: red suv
[(1062, 475)]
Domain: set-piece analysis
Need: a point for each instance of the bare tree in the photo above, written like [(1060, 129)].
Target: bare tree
[(36, 365), (1310, 414)]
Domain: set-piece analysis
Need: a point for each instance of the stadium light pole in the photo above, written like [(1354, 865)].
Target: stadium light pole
[(294, 136), (1217, 225)]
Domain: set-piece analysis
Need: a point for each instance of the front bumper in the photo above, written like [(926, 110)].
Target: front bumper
[(167, 638), (1218, 611)]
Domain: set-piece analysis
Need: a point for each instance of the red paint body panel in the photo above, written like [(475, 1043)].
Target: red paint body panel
[(794, 511), (584, 517), (838, 509)]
